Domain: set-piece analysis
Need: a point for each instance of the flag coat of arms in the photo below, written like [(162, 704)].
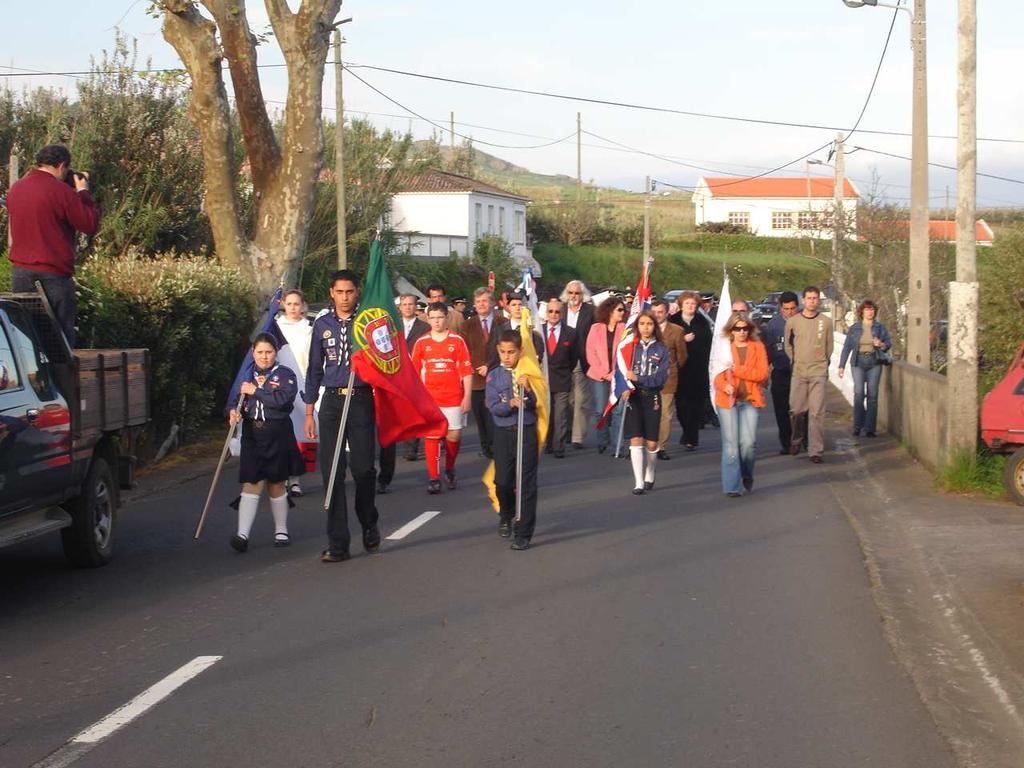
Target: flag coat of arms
[(404, 408), (624, 352)]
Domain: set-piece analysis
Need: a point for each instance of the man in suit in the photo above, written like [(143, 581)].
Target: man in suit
[(672, 336), (481, 333), (563, 354), (578, 314), (412, 328), (435, 292)]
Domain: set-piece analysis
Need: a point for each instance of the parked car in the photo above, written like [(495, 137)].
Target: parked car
[(672, 296), (772, 298), (763, 313), (69, 422)]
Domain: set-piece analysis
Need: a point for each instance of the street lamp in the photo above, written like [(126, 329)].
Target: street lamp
[(919, 298)]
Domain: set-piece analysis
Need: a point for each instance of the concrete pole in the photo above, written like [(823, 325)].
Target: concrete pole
[(579, 159), (919, 309), (647, 219), (451, 133), (962, 374), (13, 172), (838, 225), (810, 209), (339, 154)]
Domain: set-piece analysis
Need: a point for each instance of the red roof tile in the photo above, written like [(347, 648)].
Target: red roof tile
[(946, 231), (775, 186), (441, 181)]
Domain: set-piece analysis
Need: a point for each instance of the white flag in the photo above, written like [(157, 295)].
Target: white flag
[(721, 347)]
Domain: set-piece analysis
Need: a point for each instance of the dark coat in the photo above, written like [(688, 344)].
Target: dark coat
[(583, 323), (482, 351), (419, 328), (564, 359), (693, 376)]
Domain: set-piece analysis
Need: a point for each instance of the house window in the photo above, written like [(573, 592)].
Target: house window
[(520, 221), (806, 220), (740, 219), (501, 221), (782, 220), (490, 219), (479, 220)]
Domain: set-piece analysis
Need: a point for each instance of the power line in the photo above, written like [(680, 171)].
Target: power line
[(940, 165), (878, 71), (546, 94)]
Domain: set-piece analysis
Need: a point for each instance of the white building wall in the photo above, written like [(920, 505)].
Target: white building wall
[(760, 210)]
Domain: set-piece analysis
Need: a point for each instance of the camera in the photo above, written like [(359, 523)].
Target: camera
[(69, 179)]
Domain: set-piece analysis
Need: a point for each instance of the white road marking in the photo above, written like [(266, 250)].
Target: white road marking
[(120, 717), (412, 525)]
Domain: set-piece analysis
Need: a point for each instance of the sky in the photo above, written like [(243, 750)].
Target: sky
[(797, 61)]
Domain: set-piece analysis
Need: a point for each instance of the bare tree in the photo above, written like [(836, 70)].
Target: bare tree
[(284, 171)]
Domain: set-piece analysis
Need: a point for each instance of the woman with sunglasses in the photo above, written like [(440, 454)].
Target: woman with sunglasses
[(602, 341), (739, 394)]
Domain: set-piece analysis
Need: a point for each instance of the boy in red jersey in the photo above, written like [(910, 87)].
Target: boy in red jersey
[(442, 358)]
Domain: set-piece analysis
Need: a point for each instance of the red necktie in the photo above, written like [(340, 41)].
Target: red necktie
[(552, 341)]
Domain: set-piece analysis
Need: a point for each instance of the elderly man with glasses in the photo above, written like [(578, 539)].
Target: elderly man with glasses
[(578, 314), (563, 356)]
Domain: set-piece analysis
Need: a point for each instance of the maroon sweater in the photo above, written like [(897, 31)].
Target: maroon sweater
[(44, 214)]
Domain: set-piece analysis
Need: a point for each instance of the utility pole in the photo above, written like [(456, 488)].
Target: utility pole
[(13, 171), (810, 210), (962, 373), (579, 159), (339, 150), (838, 225), (647, 220), (919, 307), (451, 133)]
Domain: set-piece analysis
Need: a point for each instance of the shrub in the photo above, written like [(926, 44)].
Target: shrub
[(192, 314), (722, 228), (1001, 310)]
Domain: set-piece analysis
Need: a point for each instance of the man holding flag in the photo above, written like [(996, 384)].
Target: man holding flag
[(360, 358)]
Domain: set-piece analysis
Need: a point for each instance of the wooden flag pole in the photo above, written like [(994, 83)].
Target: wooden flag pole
[(339, 445), (220, 466)]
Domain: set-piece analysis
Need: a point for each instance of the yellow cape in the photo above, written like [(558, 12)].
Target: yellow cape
[(529, 367)]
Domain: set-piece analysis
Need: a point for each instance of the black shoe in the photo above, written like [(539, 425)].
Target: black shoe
[(559, 454), (434, 487), (239, 543), (411, 457), (664, 455), (870, 434), (602, 448), (817, 460), (382, 487), (748, 483), (638, 491), (520, 544), (578, 446), (334, 557), (691, 447), (648, 485), (371, 540), (449, 475), (856, 433), (505, 529), (488, 453), (282, 540)]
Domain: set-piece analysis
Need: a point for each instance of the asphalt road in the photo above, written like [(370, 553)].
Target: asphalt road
[(679, 628)]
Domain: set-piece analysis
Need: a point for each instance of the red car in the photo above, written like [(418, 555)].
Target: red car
[(1002, 424)]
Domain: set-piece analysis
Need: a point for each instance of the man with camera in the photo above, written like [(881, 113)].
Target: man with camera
[(46, 208)]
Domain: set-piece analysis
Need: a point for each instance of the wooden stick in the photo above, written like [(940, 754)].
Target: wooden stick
[(339, 446), (220, 466)]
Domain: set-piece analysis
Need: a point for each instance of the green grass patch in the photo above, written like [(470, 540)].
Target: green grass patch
[(5, 274), (982, 474), (752, 272)]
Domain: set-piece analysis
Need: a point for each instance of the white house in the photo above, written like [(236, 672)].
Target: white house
[(774, 206), (440, 213)]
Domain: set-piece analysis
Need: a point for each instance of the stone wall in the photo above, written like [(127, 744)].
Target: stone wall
[(912, 405)]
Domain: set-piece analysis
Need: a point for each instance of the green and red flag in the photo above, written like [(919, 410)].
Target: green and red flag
[(403, 406)]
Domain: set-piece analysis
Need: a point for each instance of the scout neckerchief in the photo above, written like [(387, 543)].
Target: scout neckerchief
[(256, 409)]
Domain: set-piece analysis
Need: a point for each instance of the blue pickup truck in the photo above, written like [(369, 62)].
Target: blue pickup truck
[(69, 424)]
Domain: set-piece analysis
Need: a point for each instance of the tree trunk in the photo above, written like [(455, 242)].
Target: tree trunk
[(284, 177)]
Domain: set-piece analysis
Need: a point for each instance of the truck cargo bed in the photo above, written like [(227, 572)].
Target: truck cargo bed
[(112, 388)]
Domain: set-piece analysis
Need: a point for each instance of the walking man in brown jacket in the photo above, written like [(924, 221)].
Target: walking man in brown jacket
[(808, 341), (672, 336)]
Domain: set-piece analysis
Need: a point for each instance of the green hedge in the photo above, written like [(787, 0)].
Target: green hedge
[(193, 315), (1001, 314)]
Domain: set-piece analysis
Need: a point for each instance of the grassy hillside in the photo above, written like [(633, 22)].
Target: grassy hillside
[(681, 264)]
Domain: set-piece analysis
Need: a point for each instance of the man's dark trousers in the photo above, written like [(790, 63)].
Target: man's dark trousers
[(484, 421), (780, 401), (505, 477), (60, 292), (362, 442), (386, 462)]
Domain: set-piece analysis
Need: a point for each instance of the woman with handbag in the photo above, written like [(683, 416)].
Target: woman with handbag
[(867, 347)]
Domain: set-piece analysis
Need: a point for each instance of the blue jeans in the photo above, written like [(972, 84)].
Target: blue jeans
[(610, 430), (739, 439), (866, 376)]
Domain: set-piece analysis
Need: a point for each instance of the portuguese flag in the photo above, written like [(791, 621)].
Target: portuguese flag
[(404, 407)]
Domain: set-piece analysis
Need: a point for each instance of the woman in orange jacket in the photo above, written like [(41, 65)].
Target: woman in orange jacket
[(739, 393)]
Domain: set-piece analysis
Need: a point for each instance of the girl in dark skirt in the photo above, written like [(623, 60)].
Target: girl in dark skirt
[(269, 453), (648, 372)]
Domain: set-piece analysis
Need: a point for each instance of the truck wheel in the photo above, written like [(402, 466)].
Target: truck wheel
[(1013, 476), (89, 540)]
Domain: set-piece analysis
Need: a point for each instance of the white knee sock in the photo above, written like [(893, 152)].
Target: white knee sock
[(279, 508), (652, 460), (636, 456), (247, 512)]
